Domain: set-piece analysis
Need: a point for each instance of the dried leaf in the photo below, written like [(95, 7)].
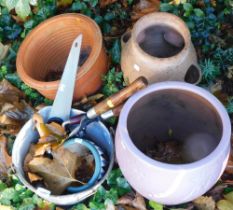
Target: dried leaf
[(10, 92), (144, 7), (48, 132), (92, 100), (57, 129), (29, 157), (47, 139), (57, 173), (136, 201), (216, 192), (104, 3), (64, 3), (204, 203), (13, 109), (33, 177), (40, 149), (5, 159), (3, 51)]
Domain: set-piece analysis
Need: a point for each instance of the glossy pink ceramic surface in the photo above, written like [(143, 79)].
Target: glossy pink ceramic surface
[(169, 183)]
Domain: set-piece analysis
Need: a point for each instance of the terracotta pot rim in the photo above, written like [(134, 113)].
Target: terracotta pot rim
[(42, 85), (161, 16)]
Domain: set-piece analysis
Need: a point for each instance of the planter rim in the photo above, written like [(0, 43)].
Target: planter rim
[(53, 85), (224, 142)]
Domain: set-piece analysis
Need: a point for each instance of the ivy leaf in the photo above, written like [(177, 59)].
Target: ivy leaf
[(114, 174), (198, 12), (10, 4), (155, 206), (13, 31), (165, 7), (28, 206), (3, 186), (80, 206), (188, 7), (23, 8), (7, 195), (116, 52)]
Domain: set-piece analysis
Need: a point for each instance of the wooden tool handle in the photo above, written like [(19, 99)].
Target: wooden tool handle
[(117, 99), (116, 111), (111, 113)]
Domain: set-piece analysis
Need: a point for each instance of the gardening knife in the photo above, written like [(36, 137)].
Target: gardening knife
[(62, 104), (108, 104)]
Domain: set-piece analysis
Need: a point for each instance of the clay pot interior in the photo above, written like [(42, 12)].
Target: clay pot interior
[(188, 115), (160, 41), (38, 63)]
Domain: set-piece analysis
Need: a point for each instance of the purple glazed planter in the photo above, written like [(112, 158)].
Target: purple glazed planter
[(193, 115)]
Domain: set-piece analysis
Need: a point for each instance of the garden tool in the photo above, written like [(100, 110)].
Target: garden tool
[(77, 120), (101, 108), (61, 110), (62, 104)]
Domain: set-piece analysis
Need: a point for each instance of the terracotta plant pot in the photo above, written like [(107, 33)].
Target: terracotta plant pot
[(46, 48), (176, 112), (146, 52)]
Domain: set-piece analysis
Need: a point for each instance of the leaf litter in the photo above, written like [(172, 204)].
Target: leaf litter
[(59, 172), (50, 164), (14, 111), (5, 158)]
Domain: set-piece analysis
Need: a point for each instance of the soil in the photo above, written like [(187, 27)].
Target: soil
[(167, 152), (55, 74)]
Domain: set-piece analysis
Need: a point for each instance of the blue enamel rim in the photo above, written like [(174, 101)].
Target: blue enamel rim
[(97, 159)]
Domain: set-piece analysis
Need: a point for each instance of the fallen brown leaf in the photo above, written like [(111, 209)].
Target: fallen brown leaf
[(57, 173), (48, 132), (64, 3), (29, 157), (104, 3), (217, 191), (144, 7), (40, 149), (57, 129), (5, 159), (136, 201), (13, 109), (33, 177), (204, 203)]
